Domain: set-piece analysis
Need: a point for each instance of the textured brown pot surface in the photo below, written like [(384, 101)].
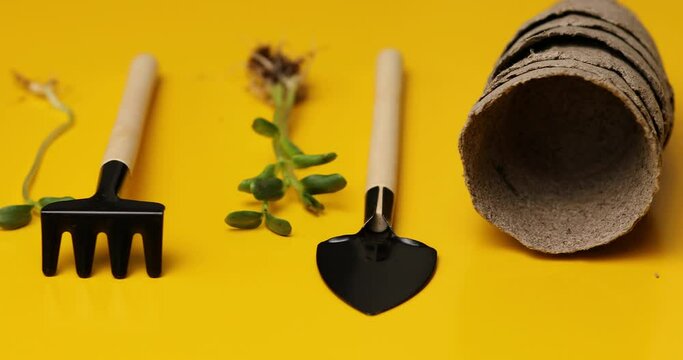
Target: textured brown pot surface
[(563, 150)]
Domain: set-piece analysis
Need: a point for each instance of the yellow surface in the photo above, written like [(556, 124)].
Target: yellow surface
[(241, 295)]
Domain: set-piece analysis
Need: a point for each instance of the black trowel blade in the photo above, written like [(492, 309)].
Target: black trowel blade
[(374, 272)]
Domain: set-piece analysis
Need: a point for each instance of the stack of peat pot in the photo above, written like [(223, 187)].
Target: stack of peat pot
[(563, 150)]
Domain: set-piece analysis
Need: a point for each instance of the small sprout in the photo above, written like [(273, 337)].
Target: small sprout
[(18, 216), (323, 184), (278, 79), (244, 219), (268, 189), (277, 225), (15, 216), (265, 127), (305, 161)]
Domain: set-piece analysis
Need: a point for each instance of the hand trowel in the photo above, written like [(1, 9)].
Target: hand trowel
[(375, 270)]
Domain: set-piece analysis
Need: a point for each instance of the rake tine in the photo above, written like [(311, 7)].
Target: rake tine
[(119, 252), (152, 243), (84, 250), (52, 239)]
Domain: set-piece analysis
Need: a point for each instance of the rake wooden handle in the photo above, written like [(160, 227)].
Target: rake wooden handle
[(124, 141), (384, 144)]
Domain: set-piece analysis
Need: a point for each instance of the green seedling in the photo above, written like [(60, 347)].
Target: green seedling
[(17, 216), (277, 79)]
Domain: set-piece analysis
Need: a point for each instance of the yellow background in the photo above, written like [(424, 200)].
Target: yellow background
[(228, 294)]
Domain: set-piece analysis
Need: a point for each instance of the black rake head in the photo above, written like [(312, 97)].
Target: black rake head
[(105, 213)]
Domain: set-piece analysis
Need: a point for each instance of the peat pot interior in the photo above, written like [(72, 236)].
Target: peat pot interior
[(561, 163)]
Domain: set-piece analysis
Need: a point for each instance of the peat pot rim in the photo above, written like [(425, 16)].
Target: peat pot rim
[(560, 159)]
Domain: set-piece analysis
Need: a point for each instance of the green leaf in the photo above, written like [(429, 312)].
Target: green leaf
[(15, 216), (268, 189), (277, 225), (312, 204), (268, 172), (265, 127), (323, 184), (245, 185), (304, 161), (244, 219), (50, 200), (289, 147)]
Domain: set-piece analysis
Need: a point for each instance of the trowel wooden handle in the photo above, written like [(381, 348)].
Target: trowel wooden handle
[(124, 141), (384, 144)]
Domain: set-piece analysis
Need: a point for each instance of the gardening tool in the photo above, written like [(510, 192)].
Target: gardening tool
[(375, 270), (105, 212)]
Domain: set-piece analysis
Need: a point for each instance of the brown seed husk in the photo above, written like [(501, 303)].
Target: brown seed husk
[(268, 66), (560, 159)]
